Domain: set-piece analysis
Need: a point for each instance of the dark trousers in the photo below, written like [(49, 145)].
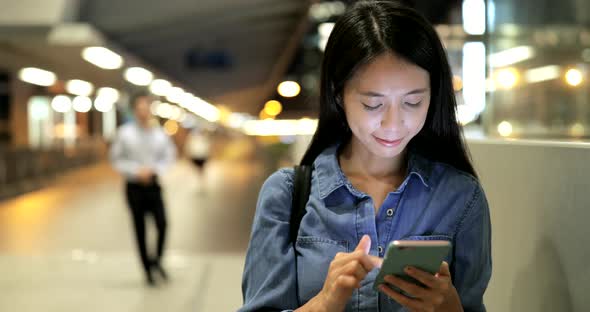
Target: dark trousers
[(143, 200)]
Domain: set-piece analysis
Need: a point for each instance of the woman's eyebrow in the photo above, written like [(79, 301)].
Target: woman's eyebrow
[(372, 94), (417, 91), (377, 94)]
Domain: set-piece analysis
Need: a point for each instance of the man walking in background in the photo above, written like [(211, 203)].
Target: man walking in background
[(142, 152)]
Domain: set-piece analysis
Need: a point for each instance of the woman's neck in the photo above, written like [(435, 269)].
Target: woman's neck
[(357, 160)]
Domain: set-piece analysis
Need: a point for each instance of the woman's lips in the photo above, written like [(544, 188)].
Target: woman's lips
[(388, 143)]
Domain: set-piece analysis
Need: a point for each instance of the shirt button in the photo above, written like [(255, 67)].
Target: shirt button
[(389, 212), (380, 249)]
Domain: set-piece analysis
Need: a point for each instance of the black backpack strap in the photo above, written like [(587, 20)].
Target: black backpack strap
[(301, 190)]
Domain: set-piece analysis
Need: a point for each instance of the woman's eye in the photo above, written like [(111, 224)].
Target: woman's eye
[(413, 104), (371, 108)]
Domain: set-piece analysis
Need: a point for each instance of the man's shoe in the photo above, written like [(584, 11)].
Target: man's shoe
[(156, 266), (149, 279), (161, 271)]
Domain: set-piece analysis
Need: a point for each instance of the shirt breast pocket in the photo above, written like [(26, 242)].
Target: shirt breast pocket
[(314, 255)]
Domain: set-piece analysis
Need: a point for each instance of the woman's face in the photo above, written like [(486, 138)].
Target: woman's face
[(386, 103)]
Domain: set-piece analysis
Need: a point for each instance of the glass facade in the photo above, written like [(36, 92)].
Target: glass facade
[(538, 66)]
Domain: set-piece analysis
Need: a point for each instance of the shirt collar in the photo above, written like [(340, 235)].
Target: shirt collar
[(330, 176), (140, 128)]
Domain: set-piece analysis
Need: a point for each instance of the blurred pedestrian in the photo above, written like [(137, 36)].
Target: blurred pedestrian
[(142, 152), (198, 148)]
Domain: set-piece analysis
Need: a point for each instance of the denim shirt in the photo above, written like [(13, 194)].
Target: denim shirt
[(435, 201)]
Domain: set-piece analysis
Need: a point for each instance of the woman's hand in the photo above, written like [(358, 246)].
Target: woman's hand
[(345, 274), (439, 294)]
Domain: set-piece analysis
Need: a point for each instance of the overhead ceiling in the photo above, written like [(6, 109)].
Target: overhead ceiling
[(230, 52)]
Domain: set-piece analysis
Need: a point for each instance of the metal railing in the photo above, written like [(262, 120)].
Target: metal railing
[(24, 169)]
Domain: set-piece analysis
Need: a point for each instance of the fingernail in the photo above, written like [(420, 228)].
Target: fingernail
[(408, 269)]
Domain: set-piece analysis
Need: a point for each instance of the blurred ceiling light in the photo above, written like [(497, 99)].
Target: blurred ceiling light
[(263, 115), (280, 127), (577, 130), (175, 112), (474, 76), (544, 73), (289, 89), (61, 103), (103, 104), (37, 76), (204, 109), (307, 126), (171, 127), (160, 87), (102, 57), (457, 83), (109, 94), (273, 108), (138, 76), (324, 30), (325, 10), (236, 120), (322, 43), (82, 104), (224, 114), (185, 99), (511, 56), (505, 128), (175, 95), (474, 17), (164, 110), (574, 77), (506, 78), (79, 87), (466, 114)]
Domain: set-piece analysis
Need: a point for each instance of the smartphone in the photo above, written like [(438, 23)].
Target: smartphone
[(424, 255)]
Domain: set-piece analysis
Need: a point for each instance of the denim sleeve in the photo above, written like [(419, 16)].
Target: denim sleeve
[(269, 279), (472, 267)]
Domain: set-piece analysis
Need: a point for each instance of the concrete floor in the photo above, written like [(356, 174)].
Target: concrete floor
[(70, 246)]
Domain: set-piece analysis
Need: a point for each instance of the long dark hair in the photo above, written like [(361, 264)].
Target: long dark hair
[(367, 30)]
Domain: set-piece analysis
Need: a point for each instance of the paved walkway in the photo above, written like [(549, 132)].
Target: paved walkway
[(69, 247)]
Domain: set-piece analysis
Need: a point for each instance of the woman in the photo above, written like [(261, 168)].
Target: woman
[(389, 163)]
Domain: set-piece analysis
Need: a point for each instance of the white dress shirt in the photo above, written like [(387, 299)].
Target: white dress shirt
[(136, 147)]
